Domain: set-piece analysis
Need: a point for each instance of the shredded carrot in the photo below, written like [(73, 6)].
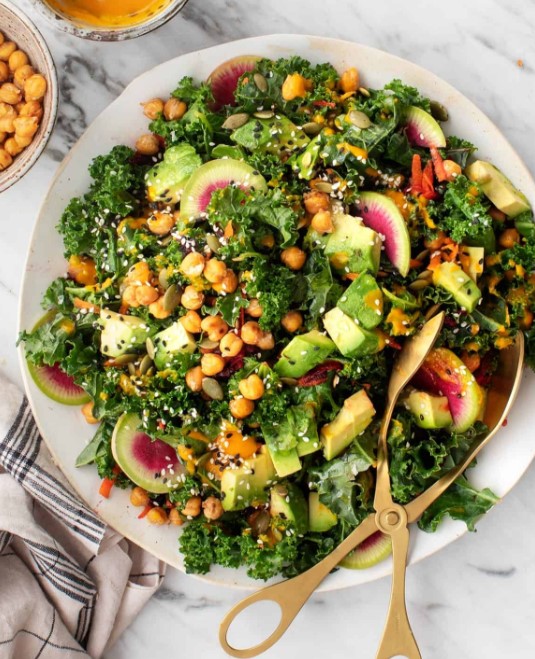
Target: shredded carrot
[(145, 511), (416, 175), (82, 304), (106, 487), (438, 164)]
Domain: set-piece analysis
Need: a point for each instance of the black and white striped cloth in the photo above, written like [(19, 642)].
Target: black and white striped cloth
[(68, 585)]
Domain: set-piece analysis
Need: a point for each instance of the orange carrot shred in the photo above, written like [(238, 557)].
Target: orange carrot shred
[(438, 164), (106, 487), (145, 511), (416, 174)]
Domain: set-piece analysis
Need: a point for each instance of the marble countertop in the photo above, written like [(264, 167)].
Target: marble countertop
[(476, 597)]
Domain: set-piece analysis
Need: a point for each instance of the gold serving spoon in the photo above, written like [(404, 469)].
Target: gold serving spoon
[(292, 594)]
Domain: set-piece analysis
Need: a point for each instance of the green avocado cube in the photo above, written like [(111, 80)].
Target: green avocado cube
[(350, 339), (167, 179), (363, 301), (304, 164), (353, 247), (275, 135), (428, 411), (454, 279), (320, 518), (303, 353), (171, 341), (498, 188), (247, 485), (355, 416), (122, 334), (288, 502)]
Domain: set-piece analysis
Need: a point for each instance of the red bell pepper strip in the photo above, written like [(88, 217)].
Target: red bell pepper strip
[(145, 511), (416, 175), (319, 374), (438, 164), (428, 189)]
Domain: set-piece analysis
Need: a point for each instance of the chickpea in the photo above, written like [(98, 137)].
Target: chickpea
[(229, 283), (251, 333), (240, 407), (158, 310), (174, 109), (268, 241), (322, 222), (254, 309), (2, 137), (139, 497), (129, 296), (509, 238), (293, 258), (26, 126), (17, 59), (350, 80), (22, 141), (148, 145), (10, 93), (192, 507), (4, 72), (252, 387), (215, 327), (192, 298), (194, 378), (192, 265), (527, 320), (174, 517), (316, 201), (13, 147), (8, 115), (212, 364), (7, 49), (191, 322), (230, 345), (266, 341), (31, 109), (152, 108), (215, 271), (146, 294), (452, 169), (22, 74), (292, 321), (212, 508), (157, 515), (160, 223), (140, 272), (35, 87), (87, 411)]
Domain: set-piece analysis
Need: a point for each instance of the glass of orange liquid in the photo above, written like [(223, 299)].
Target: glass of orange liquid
[(109, 20)]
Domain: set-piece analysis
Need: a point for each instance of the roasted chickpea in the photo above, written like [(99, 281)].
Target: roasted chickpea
[(87, 411), (31, 109), (252, 387), (17, 59), (194, 378), (157, 515), (22, 74), (192, 298), (268, 241), (147, 144), (192, 507), (174, 109), (139, 272), (192, 265), (350, 80), (152, 108), (174, 517), (251, 333), (146, 294), (266, 341), (254, 309), (215, 327), (158, 310), (316, 201), (292, 321), (129, 296), (4, 72), (22, 141), (10, 93), (452, 169), (212, 364), (7, 49), (160, 223), (139, 497), (229, 283), (322, 222), (35, 87), (293, 258), (8, 114), (212, 508), (509, 238), (215, 271), (230, 345), (191, 322), (13, 147), (240, 407), (2, 38), (26, 126)]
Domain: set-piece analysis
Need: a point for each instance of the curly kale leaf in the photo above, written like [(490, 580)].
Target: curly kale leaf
[(322, 291), (274, 286)]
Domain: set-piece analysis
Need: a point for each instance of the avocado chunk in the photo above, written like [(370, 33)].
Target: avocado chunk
[(166, 180), (355, 416), (169, 342), (304, 164), (285, 461), (350, 339), (308, 440), (353, 247), (121, 333), (472, 260), (498, 188), (429, 411), (275, 135), (288, 501), (246, 485), (320, 518), (452, 277), (303, 353), (227, 151), (363, 301)]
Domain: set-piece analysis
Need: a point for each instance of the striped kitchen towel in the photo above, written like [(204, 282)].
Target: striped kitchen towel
[(69, 585)]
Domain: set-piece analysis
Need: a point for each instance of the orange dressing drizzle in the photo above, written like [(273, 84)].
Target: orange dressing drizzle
[(108, 13)]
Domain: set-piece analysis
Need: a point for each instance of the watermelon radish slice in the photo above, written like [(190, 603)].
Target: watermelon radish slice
[(370, 552), (150, 463), (444, 374), (224, 79), (216, 175), (381, 214), (57, 385), (422, 129)]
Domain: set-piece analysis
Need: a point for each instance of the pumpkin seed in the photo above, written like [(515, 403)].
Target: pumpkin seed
[(290, 381), (427, 275), (131, 368), (235, 121), (438, 111), (264, 114), (163, 278), (144, 365), (259, 522), (359, 119), (422, 255), (149, 346), (207, 344), (212, 388), (311, 128), (432, 311), (364, 91), (123, 360), (419, 285), (171, 298), (323, 186), (260, 82), (213, 242)]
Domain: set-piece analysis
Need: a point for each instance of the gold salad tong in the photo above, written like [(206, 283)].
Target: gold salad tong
[(389, 517)]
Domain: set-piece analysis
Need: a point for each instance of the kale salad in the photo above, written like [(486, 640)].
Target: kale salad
[(238, 287)]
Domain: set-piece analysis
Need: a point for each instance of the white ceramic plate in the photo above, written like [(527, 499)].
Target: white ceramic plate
[(64, 428)]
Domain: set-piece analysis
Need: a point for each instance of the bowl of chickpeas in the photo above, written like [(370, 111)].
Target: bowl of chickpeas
[(28, 94)]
